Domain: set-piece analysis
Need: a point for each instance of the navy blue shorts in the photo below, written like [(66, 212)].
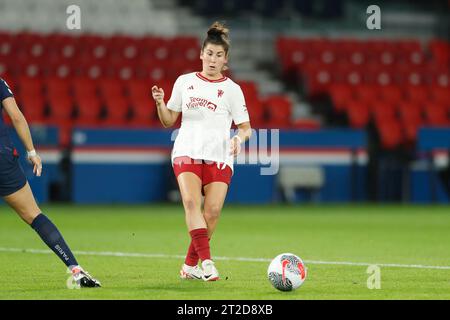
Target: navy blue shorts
[(12, 177)]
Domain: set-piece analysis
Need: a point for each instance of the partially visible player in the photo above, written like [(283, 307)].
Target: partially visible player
[(16, 191), (203, 153)]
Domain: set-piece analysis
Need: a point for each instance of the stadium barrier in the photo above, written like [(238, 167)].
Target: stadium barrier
[(133, 166), (430, 172)]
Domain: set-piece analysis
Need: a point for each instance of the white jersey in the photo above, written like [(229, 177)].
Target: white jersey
[(208, 107)]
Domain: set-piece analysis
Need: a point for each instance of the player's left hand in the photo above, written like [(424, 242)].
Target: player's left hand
[(235, 146), (37, 164)]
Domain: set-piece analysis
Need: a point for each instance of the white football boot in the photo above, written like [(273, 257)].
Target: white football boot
[(189, 272), (210, 272), (83, 278)]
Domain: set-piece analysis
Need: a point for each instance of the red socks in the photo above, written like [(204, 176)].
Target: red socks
[(192, 256), (199, 247)]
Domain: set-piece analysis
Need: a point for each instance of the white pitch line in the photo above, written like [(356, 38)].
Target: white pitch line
[(172, 256)]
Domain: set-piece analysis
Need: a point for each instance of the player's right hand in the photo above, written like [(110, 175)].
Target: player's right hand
[(37, 164), (158, 94)]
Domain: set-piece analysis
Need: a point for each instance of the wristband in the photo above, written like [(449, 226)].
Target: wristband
[(31, 153)]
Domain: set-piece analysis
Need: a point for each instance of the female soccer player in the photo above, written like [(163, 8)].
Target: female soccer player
[(202, 156), (16, 191)]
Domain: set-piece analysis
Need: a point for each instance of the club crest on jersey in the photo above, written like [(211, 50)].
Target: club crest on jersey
[(195, 103), (219, 93)]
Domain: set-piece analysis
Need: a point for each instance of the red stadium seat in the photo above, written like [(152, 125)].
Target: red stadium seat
[(317, 80), (63, 46), (383, 111), (30, 87), (57, 87), (185, 48), (441, 95), (367, 93), (61, 108), (60, 68), (111, 87), (124, 48), (92, 69), (436, 114), (249, 89), (340, 95), (440, 51), (410, 111), (410, 130), (390, 133), (256, 112), (416, 94), (349, 74), (411, 118), (84, 87), (358, 114), (143, 111), (88, 111), (138, 88), (95, 47), (117, 110), (33, 108), (279, 111), (155, 48), (392, 94)]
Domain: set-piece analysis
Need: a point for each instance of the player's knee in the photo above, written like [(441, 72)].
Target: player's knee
[(212, 211), (190, 204)]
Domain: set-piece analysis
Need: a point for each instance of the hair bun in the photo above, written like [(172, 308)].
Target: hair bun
[(217, 29)]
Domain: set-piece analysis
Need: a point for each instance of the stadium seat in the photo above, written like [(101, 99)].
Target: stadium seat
[(61, 108), (367, 93), (143, 112), (117, 110), (256, 112), (33, 107), (441, 95), (437, 114), (279, 111), (57, 87), (317, 80), (382, 111), (409, 111), (84, 87), (138, 88), (391, 93), (249, 89), (30, 87), (358, 113), (88, 111), (416, 94), (390, 134), (440, 51), (340, 95), (111, 87)]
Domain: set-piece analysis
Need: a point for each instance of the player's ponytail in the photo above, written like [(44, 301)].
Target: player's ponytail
[(218, 34)]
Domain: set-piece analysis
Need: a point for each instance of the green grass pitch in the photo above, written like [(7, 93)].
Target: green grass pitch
[(105, 237)]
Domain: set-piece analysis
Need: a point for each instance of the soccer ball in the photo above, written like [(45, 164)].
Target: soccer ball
[(286, 272)]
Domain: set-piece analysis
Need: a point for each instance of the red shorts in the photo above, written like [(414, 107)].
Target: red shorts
[(207, 171)]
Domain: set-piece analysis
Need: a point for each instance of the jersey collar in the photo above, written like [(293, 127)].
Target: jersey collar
[(198, 74)]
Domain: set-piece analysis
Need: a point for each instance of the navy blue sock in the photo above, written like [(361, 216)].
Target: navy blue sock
[(53, 239)]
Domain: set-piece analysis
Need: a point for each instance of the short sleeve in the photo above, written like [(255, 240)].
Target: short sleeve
[(239, 111), (5, 91), (175, 102)]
